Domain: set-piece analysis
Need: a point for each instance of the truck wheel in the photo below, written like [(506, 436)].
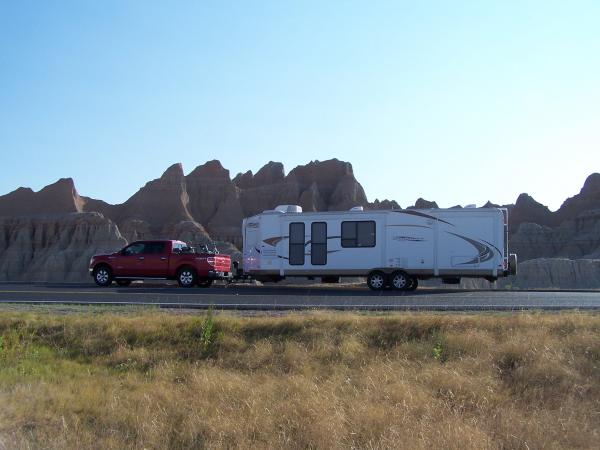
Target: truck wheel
[(123, 282), (376, 280), (103, 276), (186, 277), (400, 281), (414, 284), (205, 282)]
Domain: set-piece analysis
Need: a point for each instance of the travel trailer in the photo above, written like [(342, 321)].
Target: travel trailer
[(392, 248)]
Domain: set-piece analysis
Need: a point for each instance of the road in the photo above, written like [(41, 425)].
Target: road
[(275, 297)]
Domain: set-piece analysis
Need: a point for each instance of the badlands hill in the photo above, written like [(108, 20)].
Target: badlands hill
[(59, 229)]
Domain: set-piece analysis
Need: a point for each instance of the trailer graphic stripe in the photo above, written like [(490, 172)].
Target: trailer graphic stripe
[(420, 214), (499, 252), (485, 252), (308, 254), (273, 241), (414, 226)]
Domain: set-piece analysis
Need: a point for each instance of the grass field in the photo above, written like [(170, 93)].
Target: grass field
[(162, 380)]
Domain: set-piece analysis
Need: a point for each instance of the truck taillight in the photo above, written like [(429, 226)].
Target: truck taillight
[(210, 260)]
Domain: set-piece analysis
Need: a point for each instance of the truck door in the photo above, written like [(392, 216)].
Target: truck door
[(154, 260), (127, 261)]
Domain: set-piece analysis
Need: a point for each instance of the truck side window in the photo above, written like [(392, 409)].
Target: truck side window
[(318, 243), (358, 234), (296, 250), (134, 249), (154, 248)]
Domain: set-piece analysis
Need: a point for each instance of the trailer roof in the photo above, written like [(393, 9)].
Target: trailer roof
[(381, 211), (429, 211)]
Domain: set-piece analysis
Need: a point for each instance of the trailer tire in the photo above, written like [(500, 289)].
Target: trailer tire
[(376, 280), (187, 277), (400, 280), (414, 284)]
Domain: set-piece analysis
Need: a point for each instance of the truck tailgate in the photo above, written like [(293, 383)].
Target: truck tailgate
[(222, 263)]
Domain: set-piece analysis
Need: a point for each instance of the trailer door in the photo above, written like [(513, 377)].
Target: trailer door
[(251, 249), (410, 241)]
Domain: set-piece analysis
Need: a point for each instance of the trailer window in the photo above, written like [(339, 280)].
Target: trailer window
[(318, 243), (358, 234), (296, 251)]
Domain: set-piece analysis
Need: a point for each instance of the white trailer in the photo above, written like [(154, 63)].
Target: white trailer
[(392, 248)]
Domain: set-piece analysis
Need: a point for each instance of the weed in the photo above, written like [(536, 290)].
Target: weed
[(208, 336), (438, 350)]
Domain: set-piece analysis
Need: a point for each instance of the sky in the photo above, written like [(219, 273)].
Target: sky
[(457, 101)]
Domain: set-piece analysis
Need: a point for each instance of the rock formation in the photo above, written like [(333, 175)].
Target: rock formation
[(60, 229), (536, 232), (588, 199), (577, 237), (527, 210), (54, 247), (56, 198), (318, 186), (203, 206), (546, 273), (558, 273), (384, 204), (421, 203)]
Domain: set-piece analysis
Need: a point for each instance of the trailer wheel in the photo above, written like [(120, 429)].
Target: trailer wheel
[(376, 280), (400, 280), (414, 284)]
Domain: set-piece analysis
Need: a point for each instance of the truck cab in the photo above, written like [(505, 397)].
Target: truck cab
[(160, 259)]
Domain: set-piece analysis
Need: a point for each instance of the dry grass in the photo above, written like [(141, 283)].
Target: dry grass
[(158, 380)]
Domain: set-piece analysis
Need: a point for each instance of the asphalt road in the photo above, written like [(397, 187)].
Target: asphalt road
[(275, 297)]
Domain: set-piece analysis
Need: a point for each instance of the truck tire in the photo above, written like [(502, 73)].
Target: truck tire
[(376, 280), (123, 283), (414, 284), (187, 277), (205, 282), (400, 280), (103, 275)]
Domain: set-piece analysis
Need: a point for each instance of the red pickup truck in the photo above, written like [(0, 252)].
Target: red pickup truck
[(170, 260)]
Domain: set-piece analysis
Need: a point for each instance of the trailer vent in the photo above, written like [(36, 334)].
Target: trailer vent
[(289, 208)]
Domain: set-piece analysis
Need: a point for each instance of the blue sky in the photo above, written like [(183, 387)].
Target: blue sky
[(458, 102)]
